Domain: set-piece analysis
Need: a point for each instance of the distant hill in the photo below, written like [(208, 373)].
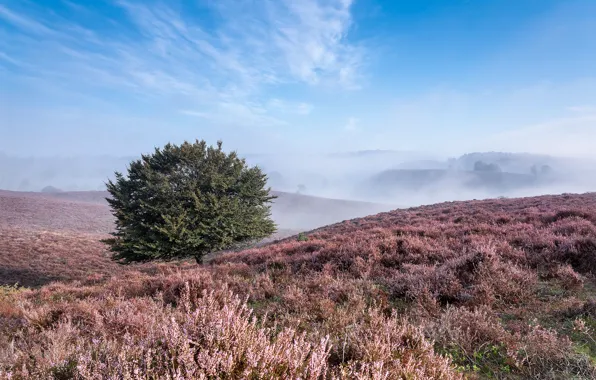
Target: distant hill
[(50, 189), (289, 211), (523, 162), (414, 187), (420, 179)]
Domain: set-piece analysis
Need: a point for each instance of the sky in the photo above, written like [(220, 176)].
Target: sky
[(119, 77)]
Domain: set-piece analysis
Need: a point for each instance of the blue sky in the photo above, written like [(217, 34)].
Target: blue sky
[(445, 76)]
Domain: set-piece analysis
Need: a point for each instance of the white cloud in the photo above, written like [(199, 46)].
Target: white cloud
[(195, 114), (312, 38), (177, 63), (299, 108), (27, 24)]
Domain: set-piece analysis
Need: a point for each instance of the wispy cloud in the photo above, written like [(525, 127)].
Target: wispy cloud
[(25, 23), (311, 37), (166, 56), (300, 108)]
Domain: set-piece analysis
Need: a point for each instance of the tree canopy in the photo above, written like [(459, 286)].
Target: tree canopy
[(186, 201), (481, 166)]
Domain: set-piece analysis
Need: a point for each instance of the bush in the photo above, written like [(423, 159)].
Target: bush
[(302, 237), (187, 201)]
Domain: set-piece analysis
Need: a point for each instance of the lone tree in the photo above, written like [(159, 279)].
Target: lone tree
[(186, 201)]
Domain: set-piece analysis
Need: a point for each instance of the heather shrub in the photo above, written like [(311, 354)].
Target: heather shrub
[(214, 338), (589, 308), (545, 354), (477, 342), (582, 256), (474, 339), (574, 226), (504, 283), (474, 278), (391, 348), (569, 279), (565, 214)]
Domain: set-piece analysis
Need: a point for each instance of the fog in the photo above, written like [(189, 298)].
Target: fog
[(316, 190)]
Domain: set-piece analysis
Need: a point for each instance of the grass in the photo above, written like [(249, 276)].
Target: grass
[(500, 288)]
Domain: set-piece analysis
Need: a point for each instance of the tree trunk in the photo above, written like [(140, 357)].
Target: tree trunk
[(199, 259)]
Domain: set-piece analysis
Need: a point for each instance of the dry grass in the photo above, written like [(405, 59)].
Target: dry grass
[(499, 288)]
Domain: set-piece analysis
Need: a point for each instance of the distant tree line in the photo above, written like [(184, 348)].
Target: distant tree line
[(541, 170), (481, 166)]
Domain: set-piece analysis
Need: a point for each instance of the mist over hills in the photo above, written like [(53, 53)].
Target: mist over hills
[(399, 178), (65, 173)]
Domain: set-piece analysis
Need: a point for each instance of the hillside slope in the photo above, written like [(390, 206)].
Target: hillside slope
[(499, 288), (290, 211), (47, 237), (44, 239)]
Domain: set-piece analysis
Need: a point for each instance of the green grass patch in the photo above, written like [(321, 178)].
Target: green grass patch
[(489, 361)]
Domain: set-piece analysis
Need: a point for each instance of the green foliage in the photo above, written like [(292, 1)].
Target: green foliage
[(583, 334), (488, 360), (186, 201), (302, 237), (65, 371), (7, 291)]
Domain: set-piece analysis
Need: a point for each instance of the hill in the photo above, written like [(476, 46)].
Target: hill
[(499, 288), (46, 237), (424, 186), (50, 237), (299, 212), (495, 182), (290, 211)]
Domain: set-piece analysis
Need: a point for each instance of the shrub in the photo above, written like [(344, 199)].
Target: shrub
[(185, 201), (570, 279), (216, 337), (543, 350), (393, 348), (302, 237), (462, 333)]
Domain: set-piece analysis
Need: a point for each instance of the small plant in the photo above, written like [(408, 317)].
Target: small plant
[(65, 371), (9, 290), (302, 237)]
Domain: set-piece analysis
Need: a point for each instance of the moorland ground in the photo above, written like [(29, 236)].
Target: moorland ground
[(498, 288)]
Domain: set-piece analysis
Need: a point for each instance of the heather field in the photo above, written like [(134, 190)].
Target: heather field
[(482, 289), (44, 239)]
